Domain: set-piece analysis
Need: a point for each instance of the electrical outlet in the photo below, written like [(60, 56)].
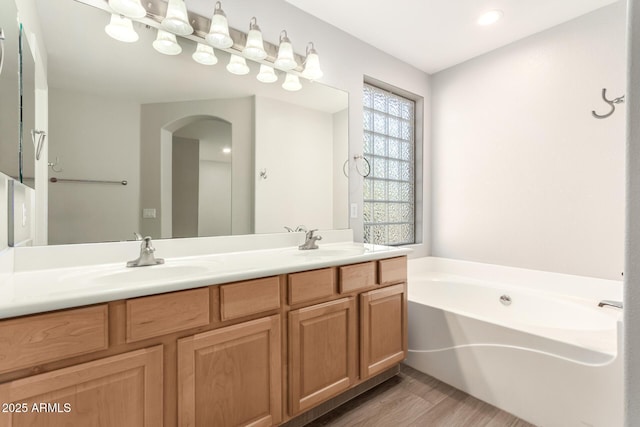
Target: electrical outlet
[(24, 215)]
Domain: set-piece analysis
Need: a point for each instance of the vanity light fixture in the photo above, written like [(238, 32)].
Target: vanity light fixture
[(285, 59), (121, 29), (267, 74), (219, 31), (237, 65), (204, 55), (490, 17), (128, 8), (254, 49), (166, 43), (312, 69), (177, 20), (291, 83)]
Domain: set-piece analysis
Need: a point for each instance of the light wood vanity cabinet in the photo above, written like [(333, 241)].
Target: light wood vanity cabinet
[(122, 390), (252, 353), (322, 352), (231, 376)]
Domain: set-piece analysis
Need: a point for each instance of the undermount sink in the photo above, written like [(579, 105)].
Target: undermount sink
[(152, 273), (123, 275)]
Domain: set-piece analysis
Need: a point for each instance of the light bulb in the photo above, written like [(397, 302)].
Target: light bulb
[(312, 69), (121, 29), (254, 49), (219, 31), (285, 59), (166, 43), (291, 83), (129, 8), (490, 17), (266, 74), (177, 20), (237, 65), (204, 55)]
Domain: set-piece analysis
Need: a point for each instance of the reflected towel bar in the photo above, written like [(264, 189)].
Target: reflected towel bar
[(93, 181)]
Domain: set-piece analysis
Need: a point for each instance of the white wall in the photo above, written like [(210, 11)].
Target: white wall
[(185, 176), (345, 61), (95, 138), (522, 174), (340, 181), (293, 147), (155, 117), (214, 200)]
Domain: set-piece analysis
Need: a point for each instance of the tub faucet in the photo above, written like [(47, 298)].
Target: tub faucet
[(310, 241), (616, 304), (146, 255)]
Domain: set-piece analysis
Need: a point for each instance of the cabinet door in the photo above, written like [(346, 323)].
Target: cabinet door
[(122, 390), (383, 329), (322, 352), (231, 376)]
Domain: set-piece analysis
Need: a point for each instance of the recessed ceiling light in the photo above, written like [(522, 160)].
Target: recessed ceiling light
[(226, 150), (490, 17)]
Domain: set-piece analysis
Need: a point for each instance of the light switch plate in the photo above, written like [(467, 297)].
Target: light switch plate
[(148, 213), (354, 210)]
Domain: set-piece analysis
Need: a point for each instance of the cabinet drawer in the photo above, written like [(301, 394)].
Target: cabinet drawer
[(149, 317), (311, 285), (358, 276), (32, 340), (393, 270), (247, 298)]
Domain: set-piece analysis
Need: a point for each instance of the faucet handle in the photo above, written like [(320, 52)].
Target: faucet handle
[(309, 234), (138, 235)]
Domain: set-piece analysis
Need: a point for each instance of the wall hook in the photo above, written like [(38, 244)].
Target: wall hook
[(611, 102), (53, 165), (263, 174)]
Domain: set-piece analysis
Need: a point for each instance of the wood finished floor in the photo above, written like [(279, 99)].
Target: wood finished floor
[(416, 399)]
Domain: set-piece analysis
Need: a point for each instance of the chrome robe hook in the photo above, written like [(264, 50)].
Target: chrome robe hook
[(611, 102)]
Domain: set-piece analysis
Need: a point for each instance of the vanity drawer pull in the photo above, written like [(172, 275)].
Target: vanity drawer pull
[(311, 285), (32, 340), (247, 298), (357, 277), (157, 315), (393, 270)]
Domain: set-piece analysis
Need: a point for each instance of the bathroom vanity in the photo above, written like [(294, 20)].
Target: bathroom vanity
[(259, 352)]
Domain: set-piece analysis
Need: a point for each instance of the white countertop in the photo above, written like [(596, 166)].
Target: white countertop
[(32, 290)]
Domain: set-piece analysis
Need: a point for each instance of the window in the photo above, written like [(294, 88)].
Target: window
[(389, 146)]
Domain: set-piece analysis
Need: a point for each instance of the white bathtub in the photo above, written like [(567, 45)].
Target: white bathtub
[(552, 357)]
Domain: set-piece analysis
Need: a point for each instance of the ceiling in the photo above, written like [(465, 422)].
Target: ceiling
[(436, 34)]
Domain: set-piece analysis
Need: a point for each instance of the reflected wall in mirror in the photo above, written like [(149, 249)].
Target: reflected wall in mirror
[(122, 111), (9, 112)]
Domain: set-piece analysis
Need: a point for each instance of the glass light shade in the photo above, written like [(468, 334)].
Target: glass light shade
[(204, 55), (254, 49), (166, 43), (285, 59), (129, 8), (266, 74), (291, 83), (121, 29), (237, 65), (312, 69), (177, 20), (219, 31)]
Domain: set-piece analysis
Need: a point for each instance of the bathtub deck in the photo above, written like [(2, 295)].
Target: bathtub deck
[(416, 399)]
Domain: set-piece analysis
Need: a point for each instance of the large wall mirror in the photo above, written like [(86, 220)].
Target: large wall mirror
[(9, 86), (141, 141)]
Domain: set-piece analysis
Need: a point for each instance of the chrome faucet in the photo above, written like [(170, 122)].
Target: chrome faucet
[(146, 255), (616, 304), (310, 241)]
